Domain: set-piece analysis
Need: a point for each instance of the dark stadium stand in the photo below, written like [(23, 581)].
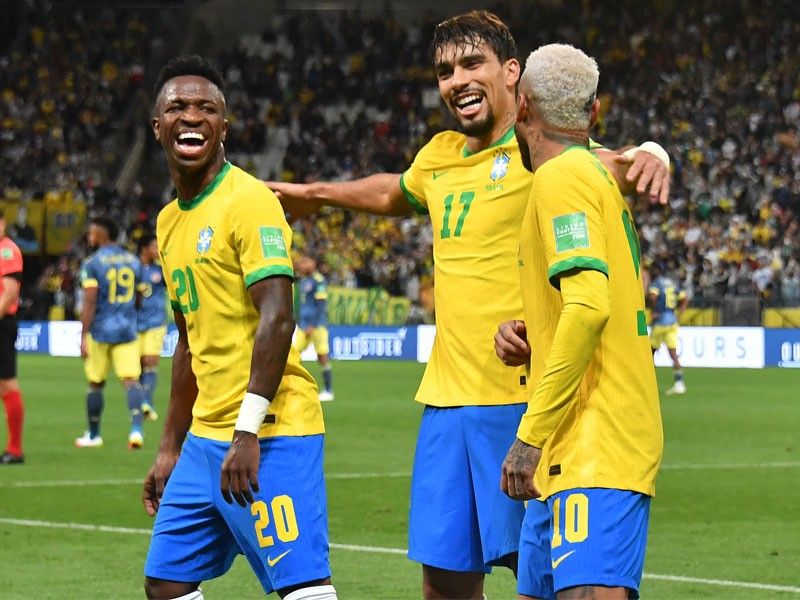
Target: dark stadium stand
[(344, 94)]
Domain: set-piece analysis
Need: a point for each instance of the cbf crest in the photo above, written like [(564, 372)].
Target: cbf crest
[(500, 165), (204, 240)]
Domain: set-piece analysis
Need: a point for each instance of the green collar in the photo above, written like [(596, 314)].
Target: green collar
[(574, 147), (507, 137), (207, 191)]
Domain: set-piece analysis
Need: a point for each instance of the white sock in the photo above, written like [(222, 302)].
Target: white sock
[(317, 592), (195, 595)]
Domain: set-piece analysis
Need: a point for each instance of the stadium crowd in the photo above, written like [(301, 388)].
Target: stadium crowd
[(339, 97)]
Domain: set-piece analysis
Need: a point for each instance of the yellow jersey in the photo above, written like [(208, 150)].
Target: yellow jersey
[(212, 248), (610, 435), (476, 203)]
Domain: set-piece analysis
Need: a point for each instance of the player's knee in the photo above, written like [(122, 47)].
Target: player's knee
[(97, 385), (441, 583), (160, 589), (315, 592)]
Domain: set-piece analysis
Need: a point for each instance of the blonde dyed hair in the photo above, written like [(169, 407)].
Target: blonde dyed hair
[(562, 81)]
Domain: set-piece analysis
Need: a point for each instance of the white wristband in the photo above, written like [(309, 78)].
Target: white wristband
[(252, 413), (651, 148)]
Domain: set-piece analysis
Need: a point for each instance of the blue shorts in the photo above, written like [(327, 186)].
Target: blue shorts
[(460, 520), (583, 536), (283, 534)]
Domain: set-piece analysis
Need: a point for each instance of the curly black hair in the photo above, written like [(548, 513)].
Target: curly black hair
[(189, 64)]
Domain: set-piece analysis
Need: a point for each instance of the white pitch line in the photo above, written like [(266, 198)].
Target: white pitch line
[(379, 550), (82, 482), (367, 475), (392, 474), (726, 583), (712, 466), (71, 483)]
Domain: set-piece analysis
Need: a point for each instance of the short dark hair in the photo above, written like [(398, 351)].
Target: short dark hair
[(189, 64), (145, 241), (472, 29), (108, 224)]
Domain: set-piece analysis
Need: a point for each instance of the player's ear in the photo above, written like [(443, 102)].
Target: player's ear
[(224, 129), (522, 108), (512, 72), (156, 128), (594, 112)]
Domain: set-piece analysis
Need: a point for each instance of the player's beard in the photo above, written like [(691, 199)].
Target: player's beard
[(524, 151), (477, 129)]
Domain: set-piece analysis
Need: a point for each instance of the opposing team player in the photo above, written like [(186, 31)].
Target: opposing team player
[(151, 320), (110, 278), (473, 186), (312, 319), (10, 281), (242, 448), (666, 297), (475, 189), (590, 442)]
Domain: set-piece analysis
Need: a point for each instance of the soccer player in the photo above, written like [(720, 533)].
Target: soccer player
[(244, 423), (474, 188), (312, 318), (151, 320), (110, 278), (665, 297), (10, 280), (590, 443)]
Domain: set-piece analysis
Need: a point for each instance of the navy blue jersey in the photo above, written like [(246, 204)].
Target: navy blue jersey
[(152, 308), (312, 301), (668, 297), (116, 273)]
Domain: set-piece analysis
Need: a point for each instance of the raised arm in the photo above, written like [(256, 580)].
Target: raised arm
[(379, 194), (182, 396), (639, 169)]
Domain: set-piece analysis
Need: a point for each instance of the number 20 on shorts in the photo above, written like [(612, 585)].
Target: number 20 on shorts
[(573, 522), (282, 509)]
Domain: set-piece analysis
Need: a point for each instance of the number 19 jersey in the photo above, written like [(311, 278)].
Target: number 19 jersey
[(476, 204), (213, 248)]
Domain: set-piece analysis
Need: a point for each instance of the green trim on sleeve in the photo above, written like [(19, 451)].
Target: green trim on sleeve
[(415, 204), (594, 145), (176, 306), (265, 272), (641, 323), (576, 262)]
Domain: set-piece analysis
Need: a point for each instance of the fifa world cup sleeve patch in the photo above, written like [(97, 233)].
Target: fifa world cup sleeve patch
[(571, 232), (272, 242)]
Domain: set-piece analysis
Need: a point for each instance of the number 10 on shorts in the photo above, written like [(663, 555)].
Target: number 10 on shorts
[(282, 509), (571, 523)]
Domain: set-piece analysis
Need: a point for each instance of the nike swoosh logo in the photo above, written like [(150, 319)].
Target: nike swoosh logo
[(274, 561), (439, 174), (554, 563)]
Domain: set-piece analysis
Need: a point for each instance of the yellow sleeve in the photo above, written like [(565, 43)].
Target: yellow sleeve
[(168, 281), (261, 236), (411, 184), (88, 275), (570, 221), (586, 306)]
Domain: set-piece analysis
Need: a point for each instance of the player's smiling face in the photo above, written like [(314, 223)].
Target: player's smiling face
[(477, 88), (190, 121)]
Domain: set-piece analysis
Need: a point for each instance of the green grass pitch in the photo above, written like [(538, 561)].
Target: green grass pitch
[(726, 511)]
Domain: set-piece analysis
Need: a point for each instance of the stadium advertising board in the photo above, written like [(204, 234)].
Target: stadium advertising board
[(782, 348), (65, 338), (726, 347), (32, 337), (368, 343), (720, 347)]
